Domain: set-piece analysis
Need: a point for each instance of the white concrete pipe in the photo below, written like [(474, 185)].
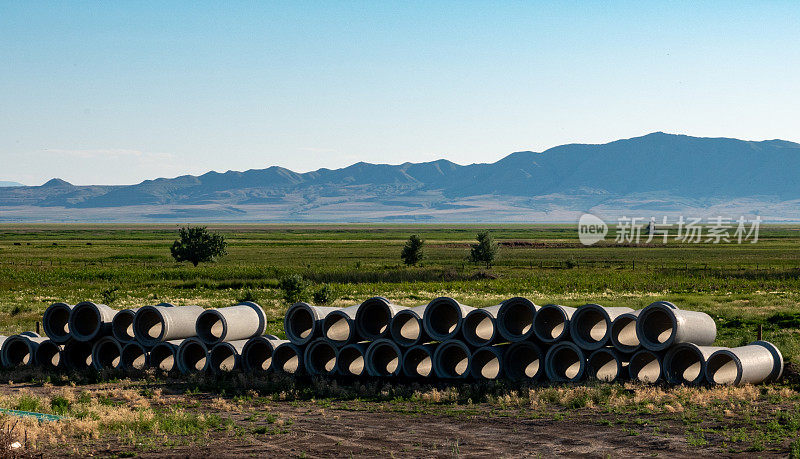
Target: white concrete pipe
[(407, 328), (55, 322), (287, 358), (685, 363), (240, 322), (192, 356), (226, 356), (122, 325), (565, 362), (660, 326), (135, 357), (383, 358), (418, 360), (319, 357), (758, 362), (623, 333), (551, 323), (339, 326), (48, 355), (480, 327), (590, 325), (107, 354), (89, 321), (646, 366), (257, 353), (20, 350), (77, 355), (156, 324), (350, 359), (451, 360), (607, 365), (303, 322), (374, 316), (164, 355), (524, 360), (487, 362), (515, 319), (444, 317)]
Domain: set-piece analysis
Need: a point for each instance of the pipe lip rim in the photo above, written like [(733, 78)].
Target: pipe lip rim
[(443, 347), (236, 357), (293, 309), (359, 317), (142, 337), (11, 340), (564, 332), (573, 327), (361, 348), (426, 319), (351, 332), (429, 349), (202, 336), (660, 365), (473, 340), (492, 349), (666, 365), (777, 358), (96, 347), (74, 330), (503, 310), (660, 306), (310, 348), (614, 354), (513, 347), (55, 337), (736, 360), (625, 349), (182, 349), (548, 361), (262, 316), (145, 353), (246, 349), (58, 347), (402, 341), (118, 316), (297, 351), (370, 351)]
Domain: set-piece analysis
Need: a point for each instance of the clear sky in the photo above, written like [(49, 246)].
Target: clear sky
[(117, 92)]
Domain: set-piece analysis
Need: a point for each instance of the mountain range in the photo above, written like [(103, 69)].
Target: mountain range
[(657, 175)]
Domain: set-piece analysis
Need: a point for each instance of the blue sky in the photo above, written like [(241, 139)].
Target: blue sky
[(118, 92)]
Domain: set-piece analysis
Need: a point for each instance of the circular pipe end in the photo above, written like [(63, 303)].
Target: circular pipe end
[(300, 323), (149, 326), (479, 328), (515, 319), (565, 362), (55, 322), (551, 323), (656, 326), (777, 369), (257, 354), (443, 318), (406, 328), (211, 327)]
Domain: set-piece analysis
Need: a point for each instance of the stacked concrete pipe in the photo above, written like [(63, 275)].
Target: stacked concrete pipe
[(287, 358), (623, 333), (590, 325), (452, 360), (374, 317), (758, 362), (55, 322), (89, 321), (407, 327), (20, 350), (551, 323), (524, 360), (418, 361), (383, 358), (487, 362), (303, 322), (444, 317), (156, 324), (257, 353), (515, 319), (240, 322), (49, 355), (480, 326), (320, 358), (339, 326), (134, 357), (164, 355), (685, 363), (565, 362), (192, 356), (351, 361), (226, 356), (607, 364), (107, 354), (78, 355), (646, 366), (662, 325)]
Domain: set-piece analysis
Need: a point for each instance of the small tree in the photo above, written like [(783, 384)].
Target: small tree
[(413, 251), (294, 288), (485, 250), (196, 245)]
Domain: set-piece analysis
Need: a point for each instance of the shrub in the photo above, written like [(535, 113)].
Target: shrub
[(196, 244), (413, 251), (294, 288), (485, 250), (324, 295)]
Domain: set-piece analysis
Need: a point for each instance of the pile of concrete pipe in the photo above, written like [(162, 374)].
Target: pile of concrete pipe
[(515, 340)]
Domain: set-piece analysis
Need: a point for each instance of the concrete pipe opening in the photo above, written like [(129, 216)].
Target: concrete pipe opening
[(443, 318), (550, 324), (134, 357), (163, 357), (149, 324), (684, 365), (48, 355), (223, 358), (523, 360), (320, 358), (350, 360), (515, 319), (257, 354), (452, 360), (122, 326), (211, 326), (338, 328), (486, 364), (78, 355), (86, 321), (645, 366), (55, 322), (18, 352), (301, 324), (623, 333), (193, 356), (418, 362), (479, 328), (724, 367), (107, 354), (383, 358), (286, 358), (604, 365), (406, 328), (373, 318), (565, 362), (590, 327), (656, 327)]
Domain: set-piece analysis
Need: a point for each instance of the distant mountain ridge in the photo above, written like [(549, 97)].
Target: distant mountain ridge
[(667, 171), (6, 183)]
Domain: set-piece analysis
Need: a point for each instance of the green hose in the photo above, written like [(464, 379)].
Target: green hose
[(26, 414)]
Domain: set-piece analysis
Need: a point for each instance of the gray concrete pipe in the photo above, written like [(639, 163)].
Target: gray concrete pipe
[(515, 319), (660, 326), (646, 366), (350, 359), (758, 362), (685, 363), (287, 358), (89, 321), (122, 325), (303, 322), (240, 322), (339, 326), (418, 360), (551, 323), (55, 322), (451, 360), (49, 355), (623, 333), (444, 317), (192, 356), (319, 357), (480, 326), (407, 327), (374, 316), (524, 360), (156, 324), (383, 358), (107, 354), (607, 365), (135, 357), (164, 355), (487, 362), (226, 356), (257, 353), (20, 350), (565, 362), (590, 325), (78, 355)]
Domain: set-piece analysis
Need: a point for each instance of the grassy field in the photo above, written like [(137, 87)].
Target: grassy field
[(741, 286)]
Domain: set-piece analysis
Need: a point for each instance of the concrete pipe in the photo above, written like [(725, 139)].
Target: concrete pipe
[(257, 353), (107, 354), (685, 363), (287, 358), (374, 316), (480, 327), (20, 350), (319, 357), (122, 326), (487, 362), (383, 358), (192, 356), (515, 319), (451, 360), (551, 323), (524, 360), (135, 357), (565, 362), (607, 365), (407, 328), (49, 355), (164, 355), (590, 325), (758, 362), (55, 322), (646, 366), (418, 361), (660, 326), (89, 321), (444, 317), (226, 356), (78, 355), (240, 322), (339, 326), (623, 333), (303, 322), (350, 359), (156, 324)]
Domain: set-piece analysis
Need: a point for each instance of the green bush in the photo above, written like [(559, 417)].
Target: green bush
[(294, 288)]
